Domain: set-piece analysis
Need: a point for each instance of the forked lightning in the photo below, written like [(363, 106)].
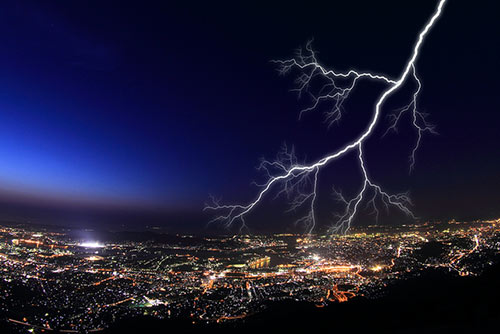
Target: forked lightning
[(299, 182)]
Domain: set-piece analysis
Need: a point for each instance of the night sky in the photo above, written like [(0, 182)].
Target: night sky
[(133, 113)]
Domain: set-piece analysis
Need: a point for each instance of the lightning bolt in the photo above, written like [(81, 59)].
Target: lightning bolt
[(298, 181)]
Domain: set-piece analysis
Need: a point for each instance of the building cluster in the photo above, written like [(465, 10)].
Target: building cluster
[(52, 280)]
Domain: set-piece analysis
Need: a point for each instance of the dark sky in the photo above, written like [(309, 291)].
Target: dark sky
[(134, 112)]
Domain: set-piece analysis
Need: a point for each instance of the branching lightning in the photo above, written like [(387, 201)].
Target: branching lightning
[(299, 181)]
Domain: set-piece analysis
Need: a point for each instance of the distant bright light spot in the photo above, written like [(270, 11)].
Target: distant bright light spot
[(377, 268), (91, 244)]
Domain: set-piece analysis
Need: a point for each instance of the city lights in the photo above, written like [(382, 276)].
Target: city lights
[(215, 283)]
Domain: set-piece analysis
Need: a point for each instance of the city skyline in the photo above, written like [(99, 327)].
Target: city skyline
[(63, 282)]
